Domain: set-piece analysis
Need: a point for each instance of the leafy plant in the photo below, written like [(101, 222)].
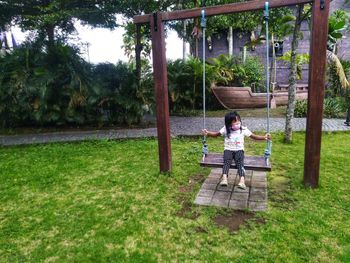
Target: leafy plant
[(224, 67), (254, 73), (114, 94), (129, 41), (337, 24), (185, 82), (63, 81), (232, 71), (300, 110), (17, 94), (335, 86), (302, 59), (332, 108), (57, 87)]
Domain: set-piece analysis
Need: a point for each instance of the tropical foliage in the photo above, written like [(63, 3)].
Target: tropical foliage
[(115, 94), (54, 20), (246, 21), (332, 108), (56, 88), (233, 71), (338, 75), (338, 23), (186, 79), (42, 87), (302, 59), (186, 85)]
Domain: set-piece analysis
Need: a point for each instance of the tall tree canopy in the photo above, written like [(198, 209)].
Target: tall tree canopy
[(52, 17)]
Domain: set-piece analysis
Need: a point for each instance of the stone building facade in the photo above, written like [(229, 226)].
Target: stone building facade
[(220, 45)]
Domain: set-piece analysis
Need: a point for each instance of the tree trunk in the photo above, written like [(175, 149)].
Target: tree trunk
[(184, 51), (50, 31), (138, 49), (196, 24), (293, 75)]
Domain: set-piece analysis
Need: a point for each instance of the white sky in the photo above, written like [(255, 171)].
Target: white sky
[(105, 45)]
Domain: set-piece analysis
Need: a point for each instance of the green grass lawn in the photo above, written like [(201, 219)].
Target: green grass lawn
[(104, 201)]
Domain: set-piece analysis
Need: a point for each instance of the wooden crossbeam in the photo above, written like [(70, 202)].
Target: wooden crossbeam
[(219, 10), (256, 163)]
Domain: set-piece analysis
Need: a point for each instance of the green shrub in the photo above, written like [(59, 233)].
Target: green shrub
[(332, 108), (63, 80), (185, 81), (113, 98), (254, 73), (334, 87), (43, 87), (232, 71), (57, 87), (17, 92), (300, 108)]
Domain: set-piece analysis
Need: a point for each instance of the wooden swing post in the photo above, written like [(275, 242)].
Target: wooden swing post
[(317, 68), (161, 91), (316, 74)]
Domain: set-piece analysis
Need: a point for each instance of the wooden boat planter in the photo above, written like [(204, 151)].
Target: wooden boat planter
[(243, 97)]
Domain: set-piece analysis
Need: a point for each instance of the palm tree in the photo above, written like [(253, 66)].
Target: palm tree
[(333, 59)]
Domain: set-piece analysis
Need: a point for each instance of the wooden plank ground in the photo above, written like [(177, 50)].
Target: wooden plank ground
[(253, 198)]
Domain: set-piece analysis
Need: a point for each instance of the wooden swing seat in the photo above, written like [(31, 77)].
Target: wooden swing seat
[(256, 163)]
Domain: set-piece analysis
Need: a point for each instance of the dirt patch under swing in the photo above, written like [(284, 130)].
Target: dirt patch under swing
[(235, 219)]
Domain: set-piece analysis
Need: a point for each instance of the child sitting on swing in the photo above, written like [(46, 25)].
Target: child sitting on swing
[(234, 134)]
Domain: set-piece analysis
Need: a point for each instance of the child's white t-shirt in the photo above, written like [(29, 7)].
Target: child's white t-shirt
[(236, 140)]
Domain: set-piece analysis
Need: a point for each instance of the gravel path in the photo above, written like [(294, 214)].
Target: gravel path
[(179, 126)]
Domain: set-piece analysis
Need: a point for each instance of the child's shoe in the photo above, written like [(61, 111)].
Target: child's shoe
[(242, 185), (223, 181)]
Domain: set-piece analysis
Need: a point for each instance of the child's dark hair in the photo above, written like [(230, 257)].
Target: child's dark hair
[(229, 117)]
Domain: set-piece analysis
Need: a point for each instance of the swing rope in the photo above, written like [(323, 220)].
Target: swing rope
[(267, 152), (205, 148)]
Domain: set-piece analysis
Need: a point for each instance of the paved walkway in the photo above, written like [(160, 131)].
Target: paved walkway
[(254, 197), (179, 126)]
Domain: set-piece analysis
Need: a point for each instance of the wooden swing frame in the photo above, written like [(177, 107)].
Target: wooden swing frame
[(317, 67)]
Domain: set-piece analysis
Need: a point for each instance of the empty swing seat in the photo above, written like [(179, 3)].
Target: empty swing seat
[(256, 163)]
